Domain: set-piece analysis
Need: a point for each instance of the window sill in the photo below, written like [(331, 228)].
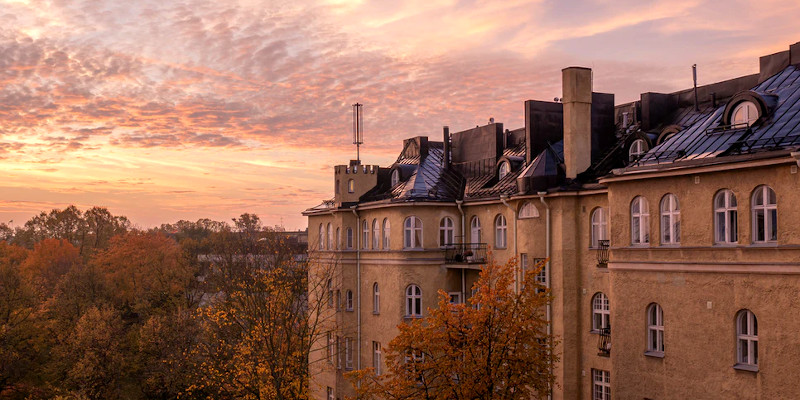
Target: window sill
[(746, 367), (413, 249), (348, 309), (376, 313), (640, 245), (654, 354), (501, 248), (670, 245), (764, 244), (410, 317)]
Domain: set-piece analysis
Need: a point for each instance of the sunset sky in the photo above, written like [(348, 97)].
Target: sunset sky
[(183, 109)]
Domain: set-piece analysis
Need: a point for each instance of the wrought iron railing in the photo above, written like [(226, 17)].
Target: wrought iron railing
[(604, 343), (465, 253), (602, 253)]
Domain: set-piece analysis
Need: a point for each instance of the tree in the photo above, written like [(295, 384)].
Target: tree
[(258, 330), (496, 347), (17, 307)]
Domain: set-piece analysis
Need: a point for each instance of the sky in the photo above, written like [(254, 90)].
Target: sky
[(186, 109)]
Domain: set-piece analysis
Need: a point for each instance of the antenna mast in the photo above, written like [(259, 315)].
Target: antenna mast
[(358, 130)]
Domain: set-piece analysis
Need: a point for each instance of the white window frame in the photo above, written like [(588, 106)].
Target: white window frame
[(746, 339), (500, 232), (321, 236), (726, 215), (377, 358), (601, 384), (413, 301), (601, 312), (528, 210), (365, 235), (475, 230), (348, 300), (412, 233), (503, 169), (331, 394), (655, 329), (387, 229), (765, 215), (395, 178), (376, 235), (640, 216), (376, 298), (670, 219), (455, 297), (747, 110), (329, 348), (446, 232), (348, 353), (599, 226), (638, 148), (349, 238)]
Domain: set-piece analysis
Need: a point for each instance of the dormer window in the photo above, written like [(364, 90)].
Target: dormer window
[(745, 113), (637, 149), (503, 169), (395, 178)]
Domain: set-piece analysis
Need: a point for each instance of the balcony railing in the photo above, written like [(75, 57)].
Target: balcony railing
[(602, 253), (604, 343), (465, 253)]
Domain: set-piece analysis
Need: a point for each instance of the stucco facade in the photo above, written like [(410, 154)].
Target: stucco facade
[(572, 186)]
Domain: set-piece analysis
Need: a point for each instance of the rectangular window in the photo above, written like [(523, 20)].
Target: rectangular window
[(601, 385), (348, 353), (338, 352), (376, 357), (329, 348), (455, 297), (331, 396)]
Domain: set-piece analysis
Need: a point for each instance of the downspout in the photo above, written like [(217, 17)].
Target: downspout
[(358, 284), (504, 200), (463, 278), (547, 265)]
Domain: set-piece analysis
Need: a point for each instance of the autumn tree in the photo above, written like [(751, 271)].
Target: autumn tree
[(258, 330), (17, 307), (495, 347)]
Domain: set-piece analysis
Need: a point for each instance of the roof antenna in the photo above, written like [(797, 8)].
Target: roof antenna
[(358, 130), (694, 77)]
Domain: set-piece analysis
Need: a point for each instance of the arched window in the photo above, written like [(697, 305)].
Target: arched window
[(413, 301), (395, 178), (330, 293), (329, 244), (376, 299), (725, 218), (376, 235), (528, 210), (599, 226), (475, 230), (349, 238), (746, 338), (765, 215), (321, 237), (338, 239), (500, 232), (446, 232), (601, 312), (386, 231), (640, 221), (351, 186), (503, 170), (745, 114), (365, 235), (412, 233), (637, 149), (670, 220), (655, 328), (348, 300)]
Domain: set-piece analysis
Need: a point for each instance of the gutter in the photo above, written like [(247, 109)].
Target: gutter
[(358, 284), (463, 278), (504, 200), (547, 265)]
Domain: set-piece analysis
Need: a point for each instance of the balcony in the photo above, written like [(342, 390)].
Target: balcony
[(602, 253), (465, 253), (604, 343)]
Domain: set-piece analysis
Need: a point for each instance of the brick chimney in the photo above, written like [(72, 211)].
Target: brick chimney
[(577, 99)]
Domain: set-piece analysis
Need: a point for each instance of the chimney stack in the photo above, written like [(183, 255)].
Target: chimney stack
[(446, 144), (577, 100)]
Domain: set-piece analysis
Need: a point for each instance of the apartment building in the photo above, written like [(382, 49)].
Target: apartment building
[(671, 218)]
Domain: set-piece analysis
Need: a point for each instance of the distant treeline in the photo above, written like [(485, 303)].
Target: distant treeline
[(91, 308)]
